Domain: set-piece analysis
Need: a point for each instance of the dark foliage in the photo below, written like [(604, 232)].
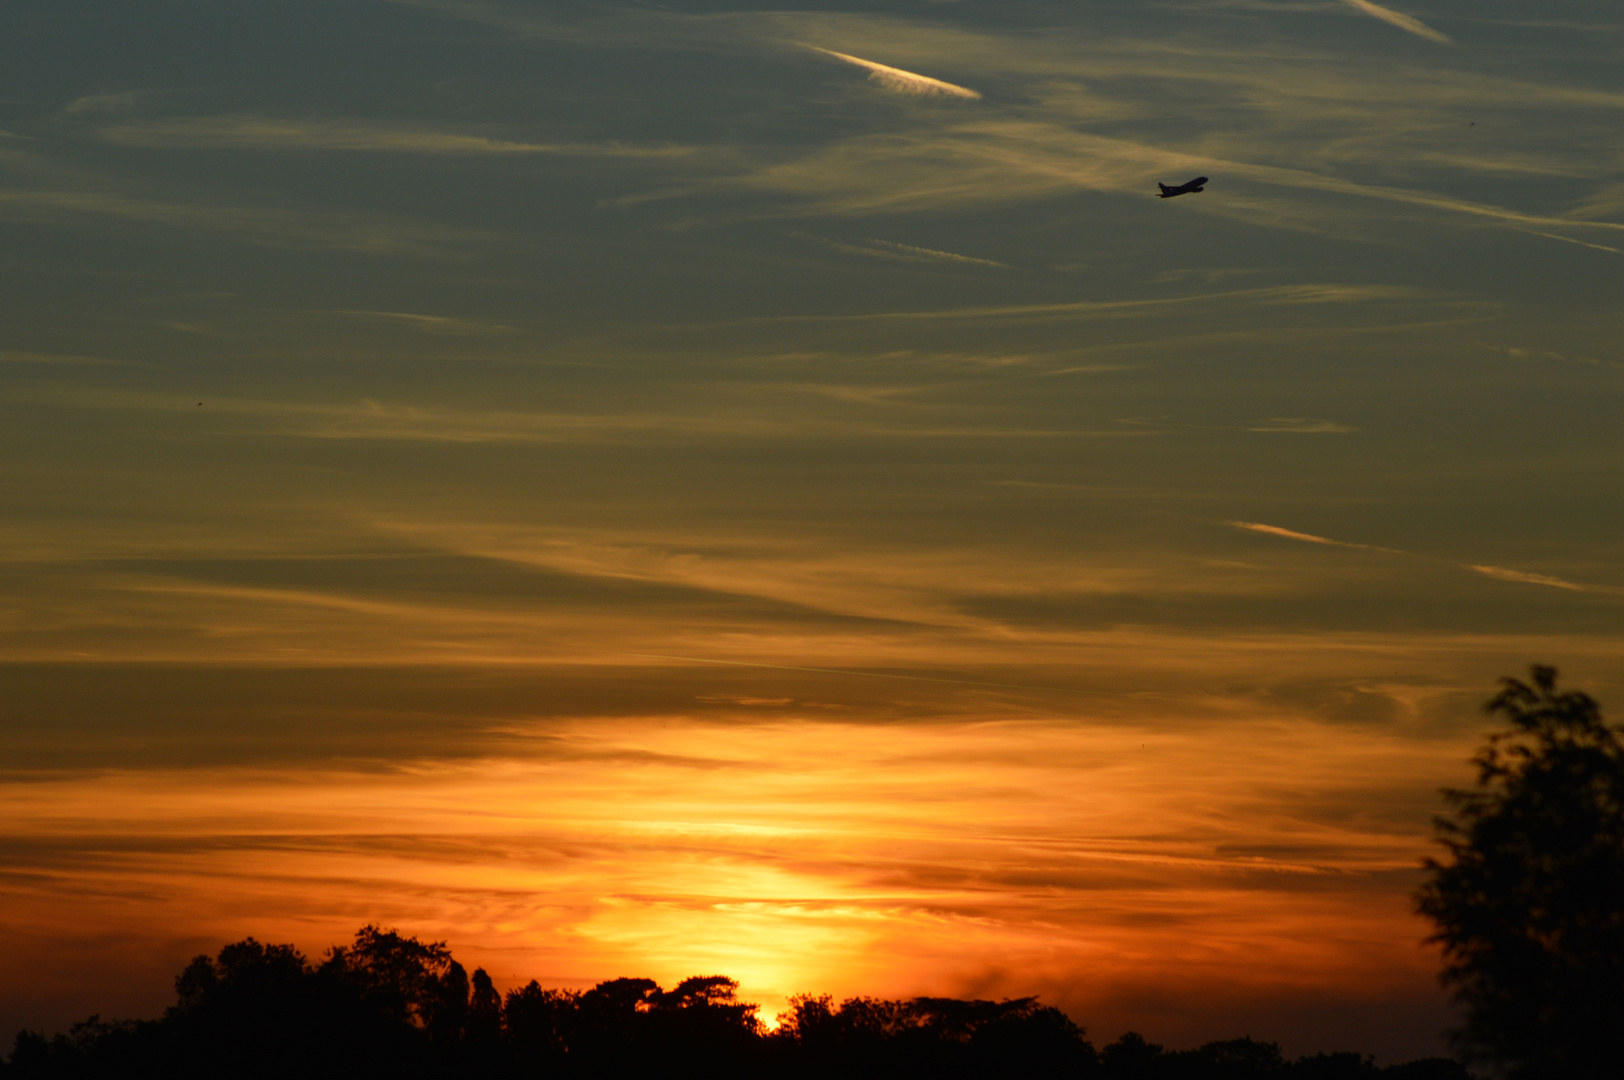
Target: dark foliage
[(393, 1006), (1529, 904), (1132, 1058), (931, 1037)]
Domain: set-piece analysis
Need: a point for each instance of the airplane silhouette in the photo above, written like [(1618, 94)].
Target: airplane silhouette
[(1182, 189)]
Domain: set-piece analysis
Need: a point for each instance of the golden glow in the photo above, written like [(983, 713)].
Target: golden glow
[(1075, 859)]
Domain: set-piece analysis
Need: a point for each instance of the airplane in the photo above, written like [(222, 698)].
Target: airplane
[(1182, 189)]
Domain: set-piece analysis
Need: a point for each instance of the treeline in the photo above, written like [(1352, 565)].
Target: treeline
[(394, 1006)]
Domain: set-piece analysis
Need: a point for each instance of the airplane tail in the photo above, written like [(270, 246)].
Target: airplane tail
[(1163, 187)]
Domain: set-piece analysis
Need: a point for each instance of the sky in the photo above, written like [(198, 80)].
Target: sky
[(641, 489)]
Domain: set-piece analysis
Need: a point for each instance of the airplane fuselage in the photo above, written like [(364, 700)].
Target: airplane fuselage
[(1198, 184)]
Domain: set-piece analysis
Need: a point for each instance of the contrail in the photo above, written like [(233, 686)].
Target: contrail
[(1308, 538), (905, 82), (1403, 22), (1498, 573)]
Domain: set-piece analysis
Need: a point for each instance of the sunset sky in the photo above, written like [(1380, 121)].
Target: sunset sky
[(685, 488)]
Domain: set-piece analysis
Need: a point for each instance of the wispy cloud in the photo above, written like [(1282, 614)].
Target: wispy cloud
[(1398, 19), (440, 324), (888, 249), (1500, 573), (903, 82), (1003, 160), (318, 230), (121, 101), (1307, 538), (932, 254), (12, 356), (1333, 127), (1575, 240), (270, 133), (1302, 426), (1285, 295), (679, 420), (1517, 353)]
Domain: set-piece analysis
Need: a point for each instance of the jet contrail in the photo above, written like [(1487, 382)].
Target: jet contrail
[(1307, 538), (905, 82), (1403, 22), (1498, 573)]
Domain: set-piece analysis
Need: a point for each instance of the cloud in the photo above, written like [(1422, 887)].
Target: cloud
[(887, 249), (1403, 22), (903, 82), (122, 101), (278, 227), (909, 251), (1367, 129), (1308, 538), (371, 419), (1607, 200), (1302, 425), (736, 699), (679, 420), (1500, 573), (1574, 240), (1009, 159), (270, 133), (441, 324), (852, 672), (1546, 354), (1286, 295), (12, 356)]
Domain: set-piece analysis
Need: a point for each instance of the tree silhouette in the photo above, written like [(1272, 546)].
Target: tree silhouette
[(1131, 1057), (1529, 904), (484, 1010), (412, 981), (933, 1037), (701, 1027), (539, 1025), (392, 1007)]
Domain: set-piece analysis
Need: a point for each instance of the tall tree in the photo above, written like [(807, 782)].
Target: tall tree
[(1529, 903)]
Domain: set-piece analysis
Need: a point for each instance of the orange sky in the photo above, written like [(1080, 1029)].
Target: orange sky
[(1089, 862), (1190, 864)]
